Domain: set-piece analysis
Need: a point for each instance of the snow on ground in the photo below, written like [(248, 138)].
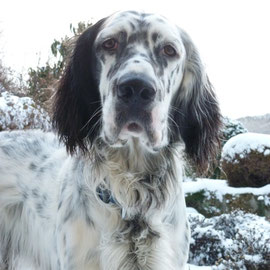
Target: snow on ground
[(242, 144), (236, 241), (243, 239), (220, 187), (21, 112), (191, 210), (2, 89), (195, 267)]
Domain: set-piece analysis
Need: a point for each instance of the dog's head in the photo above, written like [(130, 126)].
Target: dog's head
[(136, 76)]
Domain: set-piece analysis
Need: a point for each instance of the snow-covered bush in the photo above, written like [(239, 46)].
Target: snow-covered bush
[(214, 197), (21, 113), (246, 160), (6, 81), (2, 89), (235, 241), (231, 128)]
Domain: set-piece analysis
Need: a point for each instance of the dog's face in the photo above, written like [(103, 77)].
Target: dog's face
[(141, 59), (136, 75)]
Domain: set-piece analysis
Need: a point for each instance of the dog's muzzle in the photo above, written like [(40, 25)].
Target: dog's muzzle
[(135, 98), (136, 92)]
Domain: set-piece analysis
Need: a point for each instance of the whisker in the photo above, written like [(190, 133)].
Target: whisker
[(171, 118), (177, 110), (93, 127), (97, 111)]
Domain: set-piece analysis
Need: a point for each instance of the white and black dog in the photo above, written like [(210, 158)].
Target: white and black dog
[(109, 194)]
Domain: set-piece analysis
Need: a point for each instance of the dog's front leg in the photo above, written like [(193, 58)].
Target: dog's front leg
[(146, 247), (77, 246)]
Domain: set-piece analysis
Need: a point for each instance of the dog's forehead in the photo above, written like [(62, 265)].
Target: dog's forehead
[(133, 21)]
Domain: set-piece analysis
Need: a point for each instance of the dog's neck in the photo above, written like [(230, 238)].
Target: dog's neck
[(136, 180), (133, 158)]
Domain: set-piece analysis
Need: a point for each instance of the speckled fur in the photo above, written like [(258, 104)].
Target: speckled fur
[(51, 214), (51, 217)]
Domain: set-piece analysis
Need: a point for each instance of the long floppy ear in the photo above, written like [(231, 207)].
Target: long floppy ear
[(77, 101), (195, 111)]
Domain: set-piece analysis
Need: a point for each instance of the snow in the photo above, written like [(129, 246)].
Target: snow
[(242, 144), (220, 187), (230, 241), (2, 89), (232, 128), (195, 267), (236, 239), (242, 238), (191, 210), (21, 112)]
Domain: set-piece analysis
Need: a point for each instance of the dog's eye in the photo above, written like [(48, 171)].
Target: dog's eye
[(169, 50), (110, 44)]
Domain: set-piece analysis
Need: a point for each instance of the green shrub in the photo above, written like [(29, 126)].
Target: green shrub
[(43, 79)]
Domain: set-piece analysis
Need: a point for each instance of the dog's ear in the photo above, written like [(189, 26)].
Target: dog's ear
[(195, 111), (77, 104)]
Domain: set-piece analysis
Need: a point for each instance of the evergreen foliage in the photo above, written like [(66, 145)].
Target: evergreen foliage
[(43, 79), (230, 129)]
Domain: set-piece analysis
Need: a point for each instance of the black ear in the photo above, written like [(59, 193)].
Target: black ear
[(195, 111), (77, 100)]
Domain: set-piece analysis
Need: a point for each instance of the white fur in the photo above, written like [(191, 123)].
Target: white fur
[(45, 240), (52, 215)]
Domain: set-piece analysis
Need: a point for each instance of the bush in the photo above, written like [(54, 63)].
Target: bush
[(214, 197), (21, 113), (246, 160), (43, 80), (235, 241), (230, 128), (11, 82)]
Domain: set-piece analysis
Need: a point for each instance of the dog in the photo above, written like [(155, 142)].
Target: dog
[(133, 105)]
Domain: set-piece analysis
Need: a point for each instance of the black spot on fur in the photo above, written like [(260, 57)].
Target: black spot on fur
[(32, 166), (146, 43), (35, 193), (44, 157), (154, 37), (69, 214), (169, 86), (60, 204), (25, 195), (161, 60), (132, 38), (39, 208), (7, 149)]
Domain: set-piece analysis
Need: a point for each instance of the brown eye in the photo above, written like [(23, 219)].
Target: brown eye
[(110, 44), (169, 50)]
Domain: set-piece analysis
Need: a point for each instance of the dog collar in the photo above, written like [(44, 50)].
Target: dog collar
[(105, 195)]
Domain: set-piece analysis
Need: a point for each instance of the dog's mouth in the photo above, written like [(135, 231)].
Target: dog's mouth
[(134, 128), (141, 126)]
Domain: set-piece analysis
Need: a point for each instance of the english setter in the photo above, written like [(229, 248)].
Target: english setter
[(109, 194)]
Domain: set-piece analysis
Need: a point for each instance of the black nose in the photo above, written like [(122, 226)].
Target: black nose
[(136, 90)]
